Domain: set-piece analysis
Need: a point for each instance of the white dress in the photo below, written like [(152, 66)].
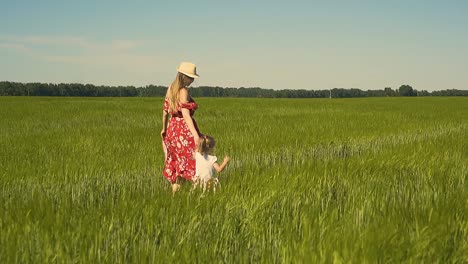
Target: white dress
[(204, 169)]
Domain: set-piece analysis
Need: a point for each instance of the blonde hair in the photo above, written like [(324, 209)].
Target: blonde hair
[(180, 81), (207, 144)]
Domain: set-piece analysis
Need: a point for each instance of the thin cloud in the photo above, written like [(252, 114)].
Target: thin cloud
[(123, 45), (67, 41), (17, 47), (71, 42), (115, 53), (106, 60)]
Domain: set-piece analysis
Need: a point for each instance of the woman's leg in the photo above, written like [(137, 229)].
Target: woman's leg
[(176, 184), (175, 187)]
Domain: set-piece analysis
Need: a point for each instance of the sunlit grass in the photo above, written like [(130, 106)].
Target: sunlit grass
[(311, 180)]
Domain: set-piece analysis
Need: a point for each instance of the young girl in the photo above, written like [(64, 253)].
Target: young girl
[(206, 163)]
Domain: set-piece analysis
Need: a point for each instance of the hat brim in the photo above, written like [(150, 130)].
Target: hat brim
[(189, 74)]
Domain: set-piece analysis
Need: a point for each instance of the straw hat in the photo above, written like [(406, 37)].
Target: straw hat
[(188, 69)]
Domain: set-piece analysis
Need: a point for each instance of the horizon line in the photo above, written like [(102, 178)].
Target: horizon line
[(227, 87)]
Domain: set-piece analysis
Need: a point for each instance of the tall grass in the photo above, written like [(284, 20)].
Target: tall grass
[(311, 180)]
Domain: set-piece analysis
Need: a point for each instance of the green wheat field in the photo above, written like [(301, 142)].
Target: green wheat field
[(371, 180)]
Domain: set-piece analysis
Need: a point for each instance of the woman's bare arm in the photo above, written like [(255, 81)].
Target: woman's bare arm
[(165, 119), (184, 98)]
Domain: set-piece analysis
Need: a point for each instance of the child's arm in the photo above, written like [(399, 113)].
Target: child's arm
[(220, 168)]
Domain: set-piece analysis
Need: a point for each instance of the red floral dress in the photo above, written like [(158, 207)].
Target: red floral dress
[(180, 144)]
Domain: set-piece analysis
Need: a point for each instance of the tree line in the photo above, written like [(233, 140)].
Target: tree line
[(76, 89)]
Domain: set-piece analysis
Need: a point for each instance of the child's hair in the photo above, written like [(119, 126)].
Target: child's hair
[(207, 144)]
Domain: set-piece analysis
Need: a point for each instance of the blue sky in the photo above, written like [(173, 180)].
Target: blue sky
[(270, 44)]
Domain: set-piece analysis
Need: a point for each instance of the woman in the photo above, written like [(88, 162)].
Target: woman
[(180, 132)]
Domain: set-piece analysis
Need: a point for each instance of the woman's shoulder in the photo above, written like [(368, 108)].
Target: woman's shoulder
[(184, 96), (183, 92)]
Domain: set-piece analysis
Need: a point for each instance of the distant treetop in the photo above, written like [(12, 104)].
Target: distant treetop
[(75, 89)]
